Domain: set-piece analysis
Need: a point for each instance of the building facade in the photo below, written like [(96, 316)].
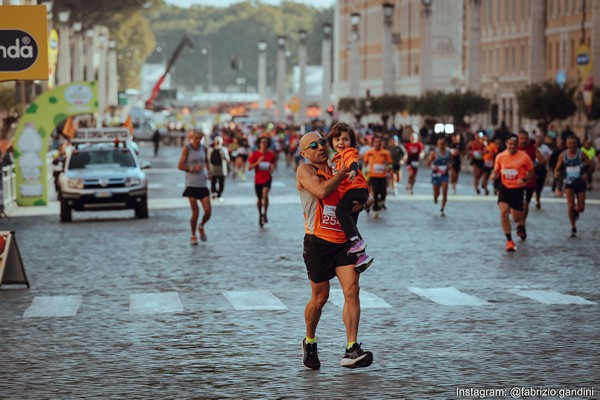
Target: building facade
[(494, 47)]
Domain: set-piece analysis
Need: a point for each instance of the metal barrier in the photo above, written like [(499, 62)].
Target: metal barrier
[(9, 186)]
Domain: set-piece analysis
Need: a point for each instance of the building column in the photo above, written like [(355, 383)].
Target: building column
[(426, 71), (326, 64)]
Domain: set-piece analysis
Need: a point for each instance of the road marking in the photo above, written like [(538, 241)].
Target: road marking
[(53, 306), (154, 303), (154, 186), (367, 300), (254, 300), (448, 296), (550, 297)]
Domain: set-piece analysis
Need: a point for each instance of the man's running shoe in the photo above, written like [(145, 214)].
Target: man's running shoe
[(202, 234), (510, 246), (357, 246), (194, 241), (487, 192), (521, 232), (356, 357), (442, 214), (261, 220), (363, 262), (310, 355), (573, 232)]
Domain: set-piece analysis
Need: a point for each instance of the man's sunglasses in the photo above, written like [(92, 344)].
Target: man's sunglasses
[(315, 145)]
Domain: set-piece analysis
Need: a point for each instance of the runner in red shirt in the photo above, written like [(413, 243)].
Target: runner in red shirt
[(415, 151), (262, 161)]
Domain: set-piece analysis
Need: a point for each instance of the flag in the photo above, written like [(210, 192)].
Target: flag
[(128, 124), (69, 128)]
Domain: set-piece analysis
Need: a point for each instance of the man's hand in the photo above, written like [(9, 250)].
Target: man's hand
[(359, 207)]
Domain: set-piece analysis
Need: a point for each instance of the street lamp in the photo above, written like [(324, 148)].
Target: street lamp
[(388, 17), (427, 7), (354, 59), (281, 40), (262, 74), (207, 51), (426, 73), (326, 64), (302, 63), (64, 45)]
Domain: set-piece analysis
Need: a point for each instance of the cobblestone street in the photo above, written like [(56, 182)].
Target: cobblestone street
[(126, 308)]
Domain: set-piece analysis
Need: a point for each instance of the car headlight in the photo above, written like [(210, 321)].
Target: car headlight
[(132, 181), (76, 183)]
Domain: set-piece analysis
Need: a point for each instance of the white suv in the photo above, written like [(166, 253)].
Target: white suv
[(103, 176)]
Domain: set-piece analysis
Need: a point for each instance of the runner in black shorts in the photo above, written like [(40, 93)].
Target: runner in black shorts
[(326, 251)]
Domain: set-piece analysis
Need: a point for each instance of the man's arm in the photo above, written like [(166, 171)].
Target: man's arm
[(308, 179), (559, 165)]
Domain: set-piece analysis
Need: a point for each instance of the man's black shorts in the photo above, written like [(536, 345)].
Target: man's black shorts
[(258, 188), (322, 257), (577, 186), (515, 198)]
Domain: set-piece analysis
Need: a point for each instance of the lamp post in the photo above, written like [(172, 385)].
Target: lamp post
[(207, 51), (326, 63), (90, 45), (102, 46), (302, 62), (78, 64), (426, 75), (112, 94), (388, 18), (281, 40), (262, 74), (354, 60), (64, 53)]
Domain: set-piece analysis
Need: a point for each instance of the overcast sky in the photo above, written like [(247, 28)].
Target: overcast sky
[(225, 3)]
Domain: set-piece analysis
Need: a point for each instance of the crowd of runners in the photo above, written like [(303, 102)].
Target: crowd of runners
[(342, 172)]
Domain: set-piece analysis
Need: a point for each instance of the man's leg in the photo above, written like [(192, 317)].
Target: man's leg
[(354, 356), (351, 313), (265, 201), (195, 213), (314, 307), (571, 211), (444, 194), (505, 217)]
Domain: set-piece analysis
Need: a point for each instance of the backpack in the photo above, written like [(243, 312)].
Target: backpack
[(216, 158)]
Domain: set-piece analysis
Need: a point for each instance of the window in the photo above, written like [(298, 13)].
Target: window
[(522, 59), (506, 60), (550, 56), (557, 55)]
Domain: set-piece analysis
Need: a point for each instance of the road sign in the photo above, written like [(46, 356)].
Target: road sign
[(294, 104), (12, 271)]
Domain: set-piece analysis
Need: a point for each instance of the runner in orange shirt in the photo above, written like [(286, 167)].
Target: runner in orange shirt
[(352, 190), (379, 163), (514, 168)]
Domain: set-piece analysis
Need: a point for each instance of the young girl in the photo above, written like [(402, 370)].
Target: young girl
[(342, 139)]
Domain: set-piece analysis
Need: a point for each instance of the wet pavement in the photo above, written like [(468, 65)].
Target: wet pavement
[(126, 308)]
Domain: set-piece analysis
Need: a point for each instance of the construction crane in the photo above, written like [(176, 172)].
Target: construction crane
[(185, 41)]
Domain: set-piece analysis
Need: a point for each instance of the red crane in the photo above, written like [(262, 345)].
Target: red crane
[(185, 41)]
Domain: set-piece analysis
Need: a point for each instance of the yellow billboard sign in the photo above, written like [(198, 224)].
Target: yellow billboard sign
[(23, 43)]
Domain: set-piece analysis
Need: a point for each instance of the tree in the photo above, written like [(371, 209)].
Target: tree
[(357, 107), (388, 105), (460, 105), (546, 102), (429, 105)]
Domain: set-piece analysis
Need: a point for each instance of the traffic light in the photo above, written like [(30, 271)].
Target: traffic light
[(234, 64), (330, 110)]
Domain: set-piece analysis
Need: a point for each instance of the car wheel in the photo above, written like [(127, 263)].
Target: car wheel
[(65, 212), (141, 211)]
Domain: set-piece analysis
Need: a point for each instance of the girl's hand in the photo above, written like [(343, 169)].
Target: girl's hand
[(351, 176)]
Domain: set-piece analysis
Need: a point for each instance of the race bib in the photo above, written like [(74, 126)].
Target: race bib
[(489, 163), (329, 220), (414, 164), (509, 174), (264, 165), (573, 172), (478, 155), (379, 168)]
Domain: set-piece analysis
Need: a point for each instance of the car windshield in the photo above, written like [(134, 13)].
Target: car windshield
[(109, 158)]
